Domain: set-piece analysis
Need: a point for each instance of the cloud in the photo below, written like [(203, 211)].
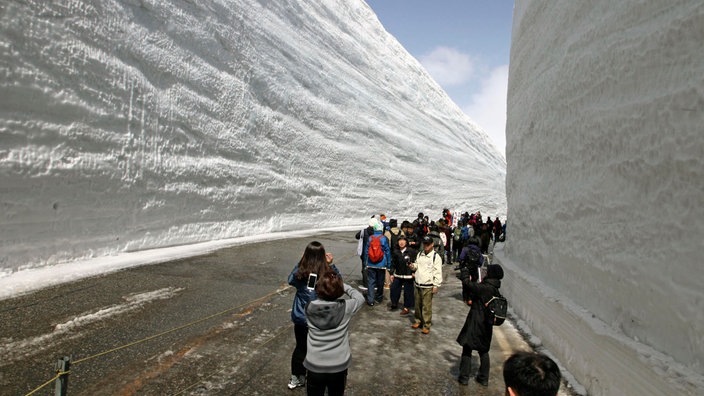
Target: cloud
[(488, 107), (448, 66)]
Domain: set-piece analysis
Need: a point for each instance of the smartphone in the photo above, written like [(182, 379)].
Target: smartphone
[(312, 279)]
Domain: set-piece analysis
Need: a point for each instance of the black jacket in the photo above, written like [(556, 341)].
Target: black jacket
[(477, 330), (399, 265)]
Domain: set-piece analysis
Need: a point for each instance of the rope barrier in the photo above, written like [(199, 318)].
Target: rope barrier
[(131, 344), (44, 385)]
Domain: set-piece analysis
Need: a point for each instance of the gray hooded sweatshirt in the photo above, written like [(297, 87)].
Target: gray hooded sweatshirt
[(328, 337)]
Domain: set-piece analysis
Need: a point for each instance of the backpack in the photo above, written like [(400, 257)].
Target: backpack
[(496, 309), (375, 251), (473, 259), (465, 233)]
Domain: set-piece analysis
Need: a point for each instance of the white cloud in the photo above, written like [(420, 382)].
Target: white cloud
[(448, 66), (488, 107)]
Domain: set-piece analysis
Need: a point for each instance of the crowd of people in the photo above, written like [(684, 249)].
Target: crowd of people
[(408, 260)]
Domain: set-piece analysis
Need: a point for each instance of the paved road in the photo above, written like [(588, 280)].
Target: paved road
[(223, 328)]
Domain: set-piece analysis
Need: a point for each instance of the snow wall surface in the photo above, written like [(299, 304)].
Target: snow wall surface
[(129, 125), (605, 186)]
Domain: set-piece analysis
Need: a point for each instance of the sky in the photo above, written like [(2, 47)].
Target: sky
[(465, 46)]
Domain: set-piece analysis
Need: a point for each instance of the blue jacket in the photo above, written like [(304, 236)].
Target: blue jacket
[(386, 261), (303, 296)]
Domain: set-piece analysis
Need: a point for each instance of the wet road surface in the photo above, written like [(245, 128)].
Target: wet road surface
[(220, 324)]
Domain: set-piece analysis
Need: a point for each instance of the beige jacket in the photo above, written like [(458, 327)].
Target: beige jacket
[(428, 270)]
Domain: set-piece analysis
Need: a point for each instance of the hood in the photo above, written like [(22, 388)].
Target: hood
[(491, 281), (325, 315)]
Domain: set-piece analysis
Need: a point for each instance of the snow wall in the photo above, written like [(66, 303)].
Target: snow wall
[(130, 125), (605, 186)]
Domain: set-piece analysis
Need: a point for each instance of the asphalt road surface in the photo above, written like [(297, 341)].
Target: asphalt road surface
[(220, 324)]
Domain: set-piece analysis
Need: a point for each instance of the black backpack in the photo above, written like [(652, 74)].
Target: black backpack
[(472, 259), (496, 309)]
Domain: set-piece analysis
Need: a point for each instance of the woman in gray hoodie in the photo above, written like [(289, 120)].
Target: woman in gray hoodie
[(328, 318)]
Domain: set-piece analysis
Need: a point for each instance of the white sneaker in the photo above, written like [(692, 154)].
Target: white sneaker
[(362, 288), (297, 381)]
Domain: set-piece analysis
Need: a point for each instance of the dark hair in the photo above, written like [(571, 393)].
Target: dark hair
[(313, 261), (329, 286), (532, 374)]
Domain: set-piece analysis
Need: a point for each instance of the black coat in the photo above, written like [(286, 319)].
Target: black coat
[(477, 330), (399, 266)]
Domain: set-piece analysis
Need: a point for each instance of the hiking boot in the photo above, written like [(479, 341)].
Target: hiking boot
[(415, 325), (482, 382), (425, 330), (297, 381), (405, 311), (393, 307)]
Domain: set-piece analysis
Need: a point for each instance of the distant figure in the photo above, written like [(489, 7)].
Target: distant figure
[(477, 330), (329, 317), (497, 229), (401, 275), (377, 254), (314, 261), (531, 374), (471, 259), (428, 278), (363, 236), (485, 238)]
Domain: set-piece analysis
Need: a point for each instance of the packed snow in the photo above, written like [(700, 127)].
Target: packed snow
[(128, 126), (604, 182)]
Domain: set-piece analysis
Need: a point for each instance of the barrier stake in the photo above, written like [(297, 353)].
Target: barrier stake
[(62, 367)]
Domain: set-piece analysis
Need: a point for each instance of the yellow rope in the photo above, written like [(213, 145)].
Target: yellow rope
[(42, 386)]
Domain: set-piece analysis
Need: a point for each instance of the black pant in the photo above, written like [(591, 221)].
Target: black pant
[(299, 353), (334, 382), (466, 365)]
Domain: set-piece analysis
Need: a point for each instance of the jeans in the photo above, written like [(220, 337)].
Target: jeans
[(334, 382), (408, 292), (299, 353), (375, 284)]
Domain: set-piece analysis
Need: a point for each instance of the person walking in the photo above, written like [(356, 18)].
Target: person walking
[(428, 278), (314, 262), (477, 330), (328, 318)]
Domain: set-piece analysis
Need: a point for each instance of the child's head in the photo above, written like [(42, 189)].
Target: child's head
[(329, 286)]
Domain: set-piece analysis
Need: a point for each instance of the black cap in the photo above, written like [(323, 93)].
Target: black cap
[(494, 271), (427, 239)]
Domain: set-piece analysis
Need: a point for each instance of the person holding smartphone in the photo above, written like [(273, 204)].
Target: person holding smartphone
[(303, 277)]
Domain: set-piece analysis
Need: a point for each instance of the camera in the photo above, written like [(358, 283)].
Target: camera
[(312, 279)]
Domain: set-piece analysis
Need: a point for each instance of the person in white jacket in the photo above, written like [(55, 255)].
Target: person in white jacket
[(428, 278)]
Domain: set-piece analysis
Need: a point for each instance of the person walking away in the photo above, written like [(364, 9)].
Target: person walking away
[(471, 259), (428, 278), (438, 244), (402, 276), (363, 236), (329, 355), (531, 373), (497, 229), (315, 261), (478, 329), (377, 253)]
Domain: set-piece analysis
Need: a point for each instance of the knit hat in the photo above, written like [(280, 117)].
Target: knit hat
[(494, 271), (373, 222), (393, 223), (378, 226)]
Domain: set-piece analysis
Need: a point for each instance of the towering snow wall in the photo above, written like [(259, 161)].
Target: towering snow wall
[(127, 125), (605, 186)]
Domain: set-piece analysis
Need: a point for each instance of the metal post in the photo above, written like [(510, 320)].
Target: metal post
[(62, 367)]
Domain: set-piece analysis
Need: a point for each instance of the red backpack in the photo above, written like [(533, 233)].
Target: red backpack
[(375, 252)]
